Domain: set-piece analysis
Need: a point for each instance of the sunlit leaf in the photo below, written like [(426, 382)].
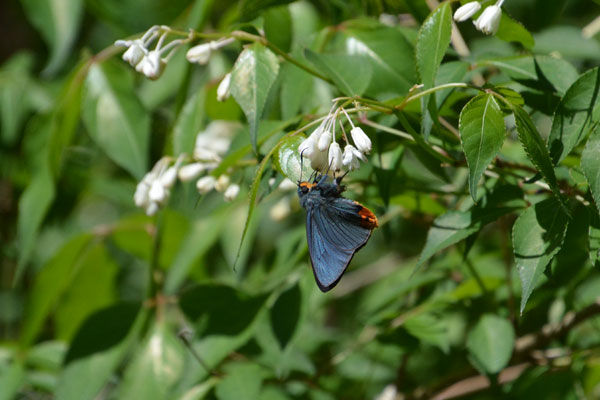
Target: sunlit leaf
[(252, 76), (538, 235), (513, 31), (287, 159)]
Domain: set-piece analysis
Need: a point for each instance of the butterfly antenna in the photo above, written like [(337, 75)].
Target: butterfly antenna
[(301, 165)]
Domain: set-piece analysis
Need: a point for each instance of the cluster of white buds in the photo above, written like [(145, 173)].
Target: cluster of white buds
[(324, 152), (489, 20), (154, 189), (150, 63)]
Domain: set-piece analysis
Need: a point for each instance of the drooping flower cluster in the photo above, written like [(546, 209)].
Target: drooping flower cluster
[(150, 63), (325, 153), (154, 190), (489, 20)]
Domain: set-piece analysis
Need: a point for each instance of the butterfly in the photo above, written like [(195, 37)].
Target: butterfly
[(336, 227)]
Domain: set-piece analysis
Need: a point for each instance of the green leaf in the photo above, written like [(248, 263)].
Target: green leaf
[(287, 159), (567, 42), (12, 378), (285, 314), (594, 238), (252, 76), (58, 21), (92, 287), (278, 26), (99, 346), (116, 119), (513, 31), (590, 163), (482, 133), (188, 124), (227, 311), (15, 96), (490, 343), (536, 150), (390, 55), (33, 206), (156, 368), (242, 381), (577, 111), (50, 284), (432, 42), (538, 235), (296, 86), (428, 329), (351, 74)]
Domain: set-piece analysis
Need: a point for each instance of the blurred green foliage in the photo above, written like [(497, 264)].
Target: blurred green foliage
[(484, 272)]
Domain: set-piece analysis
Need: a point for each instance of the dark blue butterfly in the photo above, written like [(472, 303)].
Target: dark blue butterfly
[(336, 227)]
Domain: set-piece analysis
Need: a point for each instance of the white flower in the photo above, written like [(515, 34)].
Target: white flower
[(158, 193), (152, 65), (212, 143), (489, 20), (335, 157), (206, 184), (318, 160), (223, 89), (281, 209), (168, 178), (324, 140), (222, 183), (351, 156), (140, 198), (199, 54), (307, 147), (361, 140), (190, 171), (152, 209), (204, 154), (466, 11), (135, 52), (232, 191)]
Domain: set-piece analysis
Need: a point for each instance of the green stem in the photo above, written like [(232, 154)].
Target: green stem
[(435, 89), (153, 286), (476, 276)]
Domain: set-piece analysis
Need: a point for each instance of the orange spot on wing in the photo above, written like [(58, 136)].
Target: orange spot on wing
[(369, 220)]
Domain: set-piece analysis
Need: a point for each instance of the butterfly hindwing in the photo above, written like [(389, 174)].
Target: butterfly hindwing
[(335, 231)]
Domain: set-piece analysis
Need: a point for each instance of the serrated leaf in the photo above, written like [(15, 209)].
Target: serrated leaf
[(538, 235), (156, 368), (284, 315), (576, 113), (590, 164), (513, 31), (116, 119), (252, 76), (482, 134), (287, 159), (491, 343), (58, 21), (536, 150), (432, 42), (391, 57), (351, 74)]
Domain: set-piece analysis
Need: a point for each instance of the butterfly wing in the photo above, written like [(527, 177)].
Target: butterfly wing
[(335, 232)]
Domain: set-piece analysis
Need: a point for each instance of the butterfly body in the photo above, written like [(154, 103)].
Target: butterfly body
[(336, 228)]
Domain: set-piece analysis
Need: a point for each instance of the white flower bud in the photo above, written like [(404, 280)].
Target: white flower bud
[(152, 66), (167, 179), (466, 11), (324, 140), (199, 54), (361, 140), (232, 192), (157, 193), (489, 20), (190, 171), (318, 160), (222, 183), (223, 89), (141, 194), (281, 209), (351, 156), (335, 157), (307, 147), (204, 154), (206, 184), (135, 53), (151, 209)]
